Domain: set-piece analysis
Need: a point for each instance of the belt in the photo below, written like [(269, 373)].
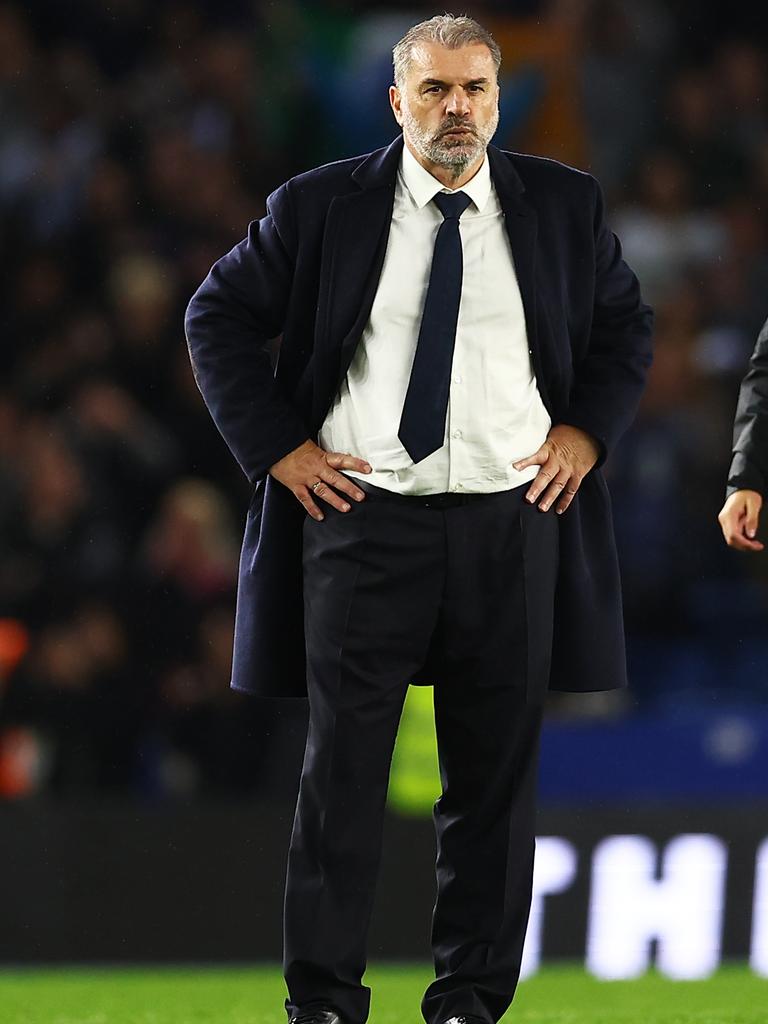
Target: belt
[(448, 499)]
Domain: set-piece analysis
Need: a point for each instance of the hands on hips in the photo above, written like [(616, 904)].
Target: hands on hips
[(311, 472)]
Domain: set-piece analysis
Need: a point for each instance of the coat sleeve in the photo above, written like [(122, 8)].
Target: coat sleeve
[(237, 309), (609, 377), (749, 466)]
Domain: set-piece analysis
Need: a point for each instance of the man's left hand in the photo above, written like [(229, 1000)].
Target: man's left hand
[(565, 458)]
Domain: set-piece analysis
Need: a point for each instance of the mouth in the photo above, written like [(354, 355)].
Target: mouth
[(457, 131)]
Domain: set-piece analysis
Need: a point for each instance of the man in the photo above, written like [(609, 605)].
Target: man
[(739, 517), (462, 345)]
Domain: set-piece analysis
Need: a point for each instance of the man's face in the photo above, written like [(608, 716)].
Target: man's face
[(448, 106)]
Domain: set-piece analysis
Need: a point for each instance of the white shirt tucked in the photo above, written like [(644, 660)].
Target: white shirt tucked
[(495, 412)]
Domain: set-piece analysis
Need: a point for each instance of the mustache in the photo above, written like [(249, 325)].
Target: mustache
[(453, 124)]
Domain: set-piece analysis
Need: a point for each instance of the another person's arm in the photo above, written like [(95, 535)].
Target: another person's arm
[(739, 517)]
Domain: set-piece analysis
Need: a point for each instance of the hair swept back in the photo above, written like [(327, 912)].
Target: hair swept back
[(449, 30)]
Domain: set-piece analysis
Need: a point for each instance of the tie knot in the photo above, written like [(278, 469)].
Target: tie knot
[(452, 205)]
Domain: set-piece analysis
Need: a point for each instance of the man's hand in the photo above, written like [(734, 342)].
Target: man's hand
[(308, 464), (565, 458), (739, 519)]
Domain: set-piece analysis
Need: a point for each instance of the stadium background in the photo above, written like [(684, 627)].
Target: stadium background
[(137, 140)]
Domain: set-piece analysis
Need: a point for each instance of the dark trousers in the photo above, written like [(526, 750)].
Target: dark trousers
[(462, 597)]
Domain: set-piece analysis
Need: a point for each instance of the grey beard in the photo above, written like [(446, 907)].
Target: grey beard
[(454, 157)]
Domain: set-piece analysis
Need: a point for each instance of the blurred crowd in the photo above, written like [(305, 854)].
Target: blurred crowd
[(137, 140)]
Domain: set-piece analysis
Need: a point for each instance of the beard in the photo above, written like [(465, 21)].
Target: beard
[(454, 153)]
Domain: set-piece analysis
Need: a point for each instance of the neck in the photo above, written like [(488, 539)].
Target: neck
[(445, 175)]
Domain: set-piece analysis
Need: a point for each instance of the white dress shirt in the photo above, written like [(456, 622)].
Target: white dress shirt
[(495, 412)]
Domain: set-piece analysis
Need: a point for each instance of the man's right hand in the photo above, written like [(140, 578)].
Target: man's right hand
[(308, 464), (739, 519)]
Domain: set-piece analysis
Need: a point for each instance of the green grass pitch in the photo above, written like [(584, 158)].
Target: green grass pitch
[(238, 995)]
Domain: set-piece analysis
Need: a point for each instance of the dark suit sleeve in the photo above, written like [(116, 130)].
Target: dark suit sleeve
[(238, 308), (610, 376), (749, 466)]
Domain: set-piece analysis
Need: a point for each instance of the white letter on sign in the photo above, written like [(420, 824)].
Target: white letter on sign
[(554, 868), (758, 959), (630, 906)]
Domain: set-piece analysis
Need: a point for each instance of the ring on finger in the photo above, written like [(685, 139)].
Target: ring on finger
[(316, 484)]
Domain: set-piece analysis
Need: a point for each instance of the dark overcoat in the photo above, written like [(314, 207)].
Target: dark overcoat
[(308, 271)]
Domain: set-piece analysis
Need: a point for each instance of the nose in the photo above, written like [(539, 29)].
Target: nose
[(457, 103)]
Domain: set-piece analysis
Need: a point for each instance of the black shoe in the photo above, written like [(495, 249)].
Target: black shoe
[(316, 1015), (462, 1019)]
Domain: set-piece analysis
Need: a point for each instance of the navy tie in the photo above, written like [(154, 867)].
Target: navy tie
[(422, 425)]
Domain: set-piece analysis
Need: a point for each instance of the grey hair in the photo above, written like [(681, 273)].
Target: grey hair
[(449, 30)]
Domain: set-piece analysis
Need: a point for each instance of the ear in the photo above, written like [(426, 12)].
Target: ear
[(394, 102)]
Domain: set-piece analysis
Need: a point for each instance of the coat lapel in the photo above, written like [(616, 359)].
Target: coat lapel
[(362, 237), (521, 222), (354, 246)]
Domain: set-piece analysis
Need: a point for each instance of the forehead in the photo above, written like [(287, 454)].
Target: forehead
[(431, 60)]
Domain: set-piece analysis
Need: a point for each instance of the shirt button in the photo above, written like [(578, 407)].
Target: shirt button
[(458, 487), (456, 433), (457, 378)]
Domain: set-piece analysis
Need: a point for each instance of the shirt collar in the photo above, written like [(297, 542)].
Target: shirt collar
[(423, 186)]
